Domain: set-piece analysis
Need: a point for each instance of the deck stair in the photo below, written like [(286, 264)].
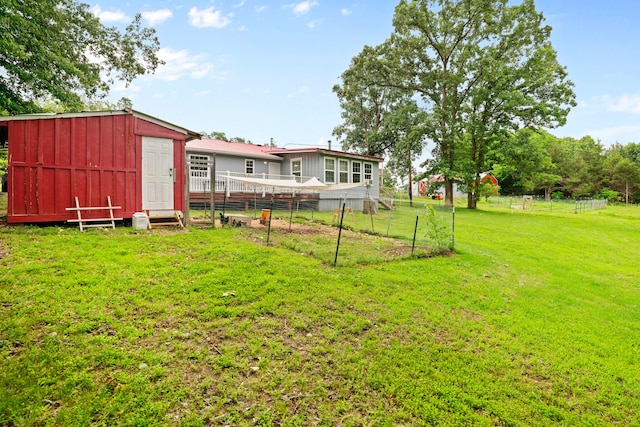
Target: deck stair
[(165, 219), (386, 204)]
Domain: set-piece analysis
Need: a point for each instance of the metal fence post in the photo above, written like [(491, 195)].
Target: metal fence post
[(335, 260)]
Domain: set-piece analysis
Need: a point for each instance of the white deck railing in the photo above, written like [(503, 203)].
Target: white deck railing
[(200, 182)]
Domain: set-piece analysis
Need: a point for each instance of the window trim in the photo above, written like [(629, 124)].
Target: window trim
[(291, 162), (333, 171), (246, 166), (354, 173), (368, 177), (201, 170), (341, 172)]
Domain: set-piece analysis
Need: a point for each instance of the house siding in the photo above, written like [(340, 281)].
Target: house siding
[(313, 165), (236, 163), (226, 163)]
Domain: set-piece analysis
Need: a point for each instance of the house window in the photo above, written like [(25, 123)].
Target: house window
[(343, 165), (329, 170), (199, 168), (248, 166), (356, 172), (368, 172), (296, 167)]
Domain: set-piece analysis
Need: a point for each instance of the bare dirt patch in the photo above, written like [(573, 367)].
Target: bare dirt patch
[(4, 252), (279, 224), (310, 234), (297, 228)]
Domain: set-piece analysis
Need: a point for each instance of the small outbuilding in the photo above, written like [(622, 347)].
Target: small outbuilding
[(135, 160)]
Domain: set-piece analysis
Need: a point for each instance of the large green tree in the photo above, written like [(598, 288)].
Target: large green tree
[(58, 51), (481, 68), (379, 118), (622, 170), (525, 161), (579, 162), (369, 106)]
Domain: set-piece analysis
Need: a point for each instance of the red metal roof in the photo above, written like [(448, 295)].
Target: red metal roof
[(262, 151), (231, 148), (277, 150)]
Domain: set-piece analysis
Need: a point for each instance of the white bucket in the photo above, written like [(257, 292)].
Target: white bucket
[(139, 221)]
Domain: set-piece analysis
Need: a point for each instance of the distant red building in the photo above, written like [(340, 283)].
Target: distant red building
[(436, 182)]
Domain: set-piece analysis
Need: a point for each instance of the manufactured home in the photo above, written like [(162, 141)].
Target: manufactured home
[(240, 167)]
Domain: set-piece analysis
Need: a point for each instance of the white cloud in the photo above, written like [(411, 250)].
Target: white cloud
[(106, 16), (208, 18), (180, 63), (624, 104), (302, 90), (202, 71), (622, 134), (303, 7), (157, 16), (239, 4), (345, 11), (312, 24), (261, 8)]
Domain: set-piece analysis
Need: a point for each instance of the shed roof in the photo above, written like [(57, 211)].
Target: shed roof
[(189, 135)]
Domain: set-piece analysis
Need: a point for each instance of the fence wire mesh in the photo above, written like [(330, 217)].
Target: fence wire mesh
[(540, 204), (379, 232)]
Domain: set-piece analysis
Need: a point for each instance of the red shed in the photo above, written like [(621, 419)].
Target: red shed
[(135, 159)]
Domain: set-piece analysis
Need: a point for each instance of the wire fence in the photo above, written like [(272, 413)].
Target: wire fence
[(360, 236), (402, 226), (540, 204)]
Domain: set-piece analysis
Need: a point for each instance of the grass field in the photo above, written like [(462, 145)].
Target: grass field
[(533, 320)]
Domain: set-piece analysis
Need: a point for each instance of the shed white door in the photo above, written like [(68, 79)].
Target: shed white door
[(157, 173)]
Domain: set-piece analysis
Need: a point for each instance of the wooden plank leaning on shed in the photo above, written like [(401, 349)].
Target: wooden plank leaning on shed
[(95, 222)]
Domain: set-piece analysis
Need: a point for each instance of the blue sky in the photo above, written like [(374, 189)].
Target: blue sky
[(261, 69)]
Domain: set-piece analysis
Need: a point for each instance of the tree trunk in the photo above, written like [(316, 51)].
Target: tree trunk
[(547, 194), (471, 201), (626, 192), (472, 195), (448, 192), (410, 182)]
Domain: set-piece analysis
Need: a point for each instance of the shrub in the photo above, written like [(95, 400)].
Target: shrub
[(556, 196), (609, 195)]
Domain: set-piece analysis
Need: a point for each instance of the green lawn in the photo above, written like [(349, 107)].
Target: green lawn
[(533, 320)]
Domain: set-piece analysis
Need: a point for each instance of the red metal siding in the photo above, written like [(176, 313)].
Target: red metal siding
[(179, 148), (52, 161)]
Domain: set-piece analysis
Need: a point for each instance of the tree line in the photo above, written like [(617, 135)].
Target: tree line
[(536, 162)]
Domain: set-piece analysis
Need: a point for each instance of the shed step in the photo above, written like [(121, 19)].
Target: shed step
[(165, 219)]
